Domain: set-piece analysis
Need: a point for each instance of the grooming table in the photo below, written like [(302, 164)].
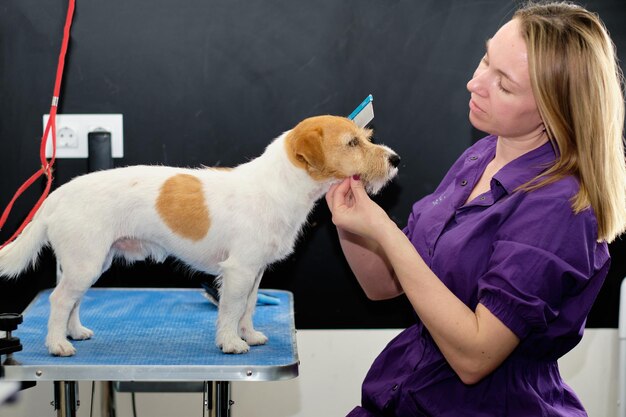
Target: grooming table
[(156, 335)]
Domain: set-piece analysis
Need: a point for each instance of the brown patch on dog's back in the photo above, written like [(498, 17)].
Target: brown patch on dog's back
[(182, 207)]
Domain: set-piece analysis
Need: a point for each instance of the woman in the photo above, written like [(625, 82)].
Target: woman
[(503, 261)]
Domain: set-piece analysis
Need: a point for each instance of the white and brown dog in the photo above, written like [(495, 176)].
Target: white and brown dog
[(228, 222)]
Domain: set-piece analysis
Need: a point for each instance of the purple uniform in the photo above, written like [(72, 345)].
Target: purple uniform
[(528, 259)]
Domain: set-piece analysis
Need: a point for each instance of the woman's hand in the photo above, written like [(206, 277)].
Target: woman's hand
[(352, 208), (354, 211)]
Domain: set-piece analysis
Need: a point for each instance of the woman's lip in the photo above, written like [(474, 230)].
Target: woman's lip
[(475, 107)]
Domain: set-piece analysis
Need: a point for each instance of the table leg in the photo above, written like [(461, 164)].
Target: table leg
[(66, 400), (107, 399), (217, 398)]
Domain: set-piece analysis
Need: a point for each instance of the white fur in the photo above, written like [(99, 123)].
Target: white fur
[(256, 209)]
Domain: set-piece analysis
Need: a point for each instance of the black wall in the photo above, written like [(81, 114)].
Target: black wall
[(213, 81)]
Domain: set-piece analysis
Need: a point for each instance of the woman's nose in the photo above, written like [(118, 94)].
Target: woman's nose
[(477, 84)]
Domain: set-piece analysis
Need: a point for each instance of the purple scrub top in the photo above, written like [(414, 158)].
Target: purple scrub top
[(528, 259)]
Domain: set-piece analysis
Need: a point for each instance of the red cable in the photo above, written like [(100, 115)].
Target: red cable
[(46, 167)]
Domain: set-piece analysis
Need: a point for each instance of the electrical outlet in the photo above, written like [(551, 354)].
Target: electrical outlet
[(72, 131), (67, 138)]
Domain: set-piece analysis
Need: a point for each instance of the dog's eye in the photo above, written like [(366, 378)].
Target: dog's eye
[(353, 142)]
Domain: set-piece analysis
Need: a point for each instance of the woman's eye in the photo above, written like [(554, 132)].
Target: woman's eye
[(504, 90), (353, 142)]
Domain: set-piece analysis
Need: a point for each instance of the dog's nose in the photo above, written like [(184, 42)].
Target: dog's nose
[(394, 160)]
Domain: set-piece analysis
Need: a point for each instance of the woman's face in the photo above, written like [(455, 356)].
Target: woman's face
[(502, 102)]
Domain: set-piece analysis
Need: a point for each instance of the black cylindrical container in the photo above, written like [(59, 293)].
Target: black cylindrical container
[(100, 156)]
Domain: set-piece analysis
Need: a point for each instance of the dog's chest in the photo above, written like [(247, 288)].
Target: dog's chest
[(281, 235)]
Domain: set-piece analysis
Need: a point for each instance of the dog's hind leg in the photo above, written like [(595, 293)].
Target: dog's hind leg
[(237, 283), (76, 278), (75, 329), (72, 286), (62, 301), (246, 327)]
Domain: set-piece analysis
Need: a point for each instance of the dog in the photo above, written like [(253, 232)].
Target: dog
[(228, 222)]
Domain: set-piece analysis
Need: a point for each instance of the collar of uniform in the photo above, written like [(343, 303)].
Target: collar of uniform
[(523, 169)]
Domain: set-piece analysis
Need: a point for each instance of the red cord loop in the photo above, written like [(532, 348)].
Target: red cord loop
[(46, 166)]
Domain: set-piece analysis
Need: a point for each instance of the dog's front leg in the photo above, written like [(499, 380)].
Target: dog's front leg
[(237, 284), (246, 326)]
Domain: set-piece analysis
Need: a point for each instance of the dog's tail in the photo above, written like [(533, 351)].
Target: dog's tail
[(23, 251)]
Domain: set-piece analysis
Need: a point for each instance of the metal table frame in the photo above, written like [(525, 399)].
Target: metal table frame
[(278, 360)]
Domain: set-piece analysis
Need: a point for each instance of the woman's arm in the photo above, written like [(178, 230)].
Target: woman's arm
[(473, 342), (370, 266)]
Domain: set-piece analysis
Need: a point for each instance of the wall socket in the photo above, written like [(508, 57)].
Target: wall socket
[(72, 131)]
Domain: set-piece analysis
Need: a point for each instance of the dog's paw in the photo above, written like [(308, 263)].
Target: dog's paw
[(254, 338), (60, 347), (232, 345), (80, 333)]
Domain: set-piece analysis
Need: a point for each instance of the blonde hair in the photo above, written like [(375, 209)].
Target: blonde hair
[(577, 85)]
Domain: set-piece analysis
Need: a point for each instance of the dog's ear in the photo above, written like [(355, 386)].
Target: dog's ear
[(308, 149)]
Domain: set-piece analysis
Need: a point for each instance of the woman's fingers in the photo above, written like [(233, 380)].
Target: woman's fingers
[(340, 194), (329, 195), (357, 188)]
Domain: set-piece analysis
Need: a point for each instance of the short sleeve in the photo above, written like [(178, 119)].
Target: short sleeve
[(410, 225), (538, 264)]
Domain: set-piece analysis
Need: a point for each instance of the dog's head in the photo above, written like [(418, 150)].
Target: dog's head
[(331, 148)]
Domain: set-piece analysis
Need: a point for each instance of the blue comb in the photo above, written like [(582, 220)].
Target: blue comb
[(211, 294), (364, 113)]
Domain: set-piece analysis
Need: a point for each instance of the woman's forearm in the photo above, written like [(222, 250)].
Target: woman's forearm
[(465, 337), (370, 266)]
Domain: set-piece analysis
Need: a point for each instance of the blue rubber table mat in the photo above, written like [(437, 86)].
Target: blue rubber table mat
[(156, 335)]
